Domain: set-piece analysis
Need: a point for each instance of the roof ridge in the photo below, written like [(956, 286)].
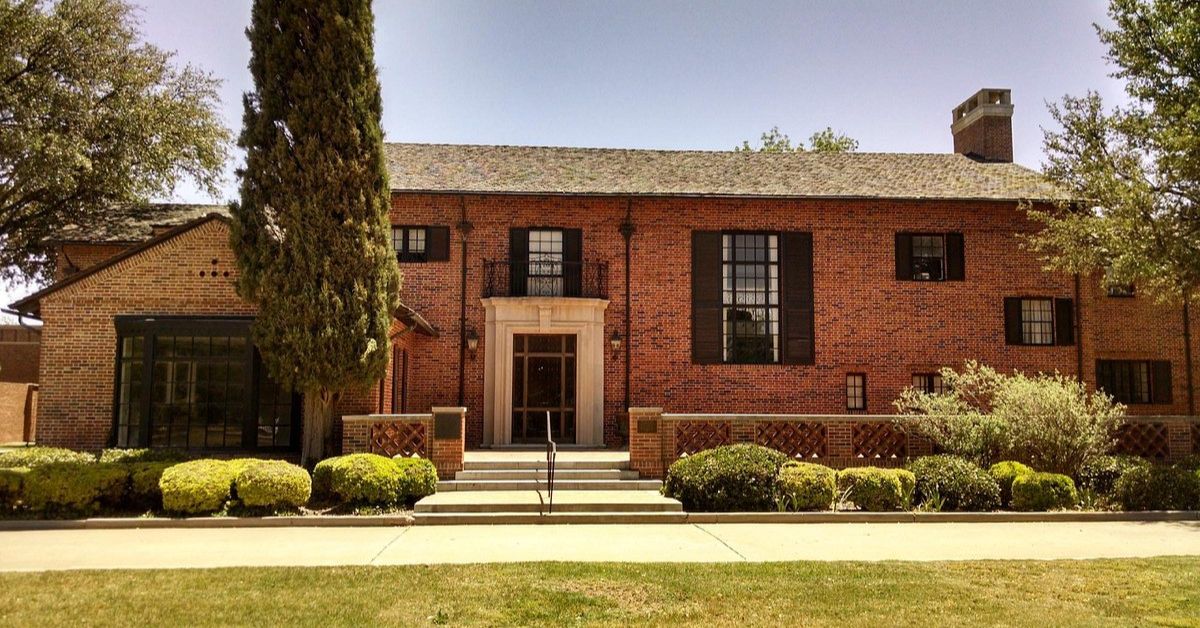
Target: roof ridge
[(704, 151)]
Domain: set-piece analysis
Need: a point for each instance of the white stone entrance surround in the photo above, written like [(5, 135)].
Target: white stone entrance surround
[(507, 316)]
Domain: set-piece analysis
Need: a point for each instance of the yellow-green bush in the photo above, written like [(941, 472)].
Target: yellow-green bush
[(1004, 473), (144, 477), (30, 457), (273, 484), (142, 455), (874, 489), (1043, 491), (196, 487), (806, 486), (75, 488), (11, 482), (731, 478), (418, 478), (371, 479)]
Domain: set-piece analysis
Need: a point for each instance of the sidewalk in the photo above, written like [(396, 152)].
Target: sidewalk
[(175, 548)]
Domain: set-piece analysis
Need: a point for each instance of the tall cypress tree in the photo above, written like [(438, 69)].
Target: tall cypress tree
[(311, 229)]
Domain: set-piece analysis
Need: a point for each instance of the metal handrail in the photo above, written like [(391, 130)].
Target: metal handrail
[(551, 456)]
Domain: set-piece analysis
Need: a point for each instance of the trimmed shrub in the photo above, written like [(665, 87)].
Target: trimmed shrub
[(1190, 462), (11, 481), (30, 457), (322, 480), (196, 487), (1043, 491), (1004, 473), (874, 489), (730, 478), (63, 488), (142, 455), (958, 483), (1157, 487), (1100, 474), (144, 478), (806, 486), (273, 484), (418, 478)]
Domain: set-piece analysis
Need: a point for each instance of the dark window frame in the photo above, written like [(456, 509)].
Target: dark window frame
[(934, 382), (557, 275), (862, 392), (1116, 377), (148, 328), (774, 325), (1121, 291), (942, 260), (403, 254), (1027, 331)]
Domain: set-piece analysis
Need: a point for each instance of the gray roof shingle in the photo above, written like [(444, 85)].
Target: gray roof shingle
[(135, 223), (556, 170)]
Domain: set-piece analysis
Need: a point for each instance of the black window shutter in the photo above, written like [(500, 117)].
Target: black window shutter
[(518, 258), (1160, 381), (904, 256), (437, 244), (1012, 321), (573, 266), (955, 263), (1064, 322), (706, 297), (797, 298)]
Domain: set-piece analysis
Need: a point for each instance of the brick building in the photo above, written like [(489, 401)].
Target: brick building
[(581, 282)]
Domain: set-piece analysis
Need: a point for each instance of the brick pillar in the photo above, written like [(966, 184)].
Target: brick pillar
[(839, 444), (355, 431), (741, 431), (1179, 439), (646, 442), (447, 430)]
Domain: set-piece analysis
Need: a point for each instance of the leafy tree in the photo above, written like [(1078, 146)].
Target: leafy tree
[(1049, 422), (1137, 165), (311, 230), (827, 141), (91, 119)]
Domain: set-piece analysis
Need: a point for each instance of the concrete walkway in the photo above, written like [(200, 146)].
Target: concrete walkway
[(181, 548)]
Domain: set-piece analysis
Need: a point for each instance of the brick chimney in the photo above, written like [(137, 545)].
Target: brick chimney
[(982, 126)]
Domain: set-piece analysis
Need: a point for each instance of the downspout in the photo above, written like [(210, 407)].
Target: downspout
[(627, 230), (1078, 329), (1187, 353), (464, 228)]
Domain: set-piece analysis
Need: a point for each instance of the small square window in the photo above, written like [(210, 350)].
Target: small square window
[(409, 243), (856, 391)]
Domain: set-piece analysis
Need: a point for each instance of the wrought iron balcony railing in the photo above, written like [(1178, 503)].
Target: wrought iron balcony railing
[(520, 278)]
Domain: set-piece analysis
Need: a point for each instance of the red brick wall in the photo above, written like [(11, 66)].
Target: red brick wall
[(20, 350), (866, 321), (989, 137)]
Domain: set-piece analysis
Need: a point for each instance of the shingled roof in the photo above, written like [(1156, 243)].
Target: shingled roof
[(135, 223), (606, 171)]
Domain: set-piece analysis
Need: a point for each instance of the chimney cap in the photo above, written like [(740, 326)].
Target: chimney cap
[(989, 101)]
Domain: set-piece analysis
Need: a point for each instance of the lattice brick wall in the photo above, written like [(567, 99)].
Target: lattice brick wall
[(875, 440), (797, 439), (398, 438), (1149, 440), (695, 436)]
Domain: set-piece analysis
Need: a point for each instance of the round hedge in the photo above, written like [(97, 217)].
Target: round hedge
[(1100, 474), (144, 477), (418, 478), (1043, 491), (74, 488), (1004, 473), (142, 455), (273, 484), (196, 487), (1157, 487), (374, 480), (730, 478), (959, 483), (876, 490), (806, 486), (30, 457)]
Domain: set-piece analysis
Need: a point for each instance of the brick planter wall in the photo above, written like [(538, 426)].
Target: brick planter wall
[(409, 435)]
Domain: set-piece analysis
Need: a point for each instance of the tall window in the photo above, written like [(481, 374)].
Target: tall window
[(545, 277), (856, 391), (409, 243), (1037, 321), (928, 257), (750, 297), (197, 384), (929, 383)]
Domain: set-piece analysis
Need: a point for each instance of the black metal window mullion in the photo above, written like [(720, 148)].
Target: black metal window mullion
[(750, 286)]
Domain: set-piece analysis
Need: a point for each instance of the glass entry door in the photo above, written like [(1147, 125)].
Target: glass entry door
[(543, 381)]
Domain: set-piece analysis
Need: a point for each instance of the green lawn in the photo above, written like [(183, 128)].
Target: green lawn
[(1163, 591)]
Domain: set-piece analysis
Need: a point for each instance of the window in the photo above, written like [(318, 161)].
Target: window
[(1037, 321), (1121, 290), (197, 384), (928, 257), (750, 297), (409, 243), (545, 278), (1135, 381), (856, 391), (929, 383)]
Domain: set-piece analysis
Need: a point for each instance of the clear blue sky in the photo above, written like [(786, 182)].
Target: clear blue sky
[(696, 75)]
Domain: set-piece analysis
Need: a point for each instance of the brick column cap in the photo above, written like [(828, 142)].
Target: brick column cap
[(439, 410), (369, 418), (645, 411)]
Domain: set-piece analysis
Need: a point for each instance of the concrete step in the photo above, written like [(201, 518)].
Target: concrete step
[(504, 464), (528, 501), (540, 474), (540, 484), (502, 518)]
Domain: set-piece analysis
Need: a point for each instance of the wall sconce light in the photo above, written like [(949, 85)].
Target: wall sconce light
[(615, 341), (472, 341)]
